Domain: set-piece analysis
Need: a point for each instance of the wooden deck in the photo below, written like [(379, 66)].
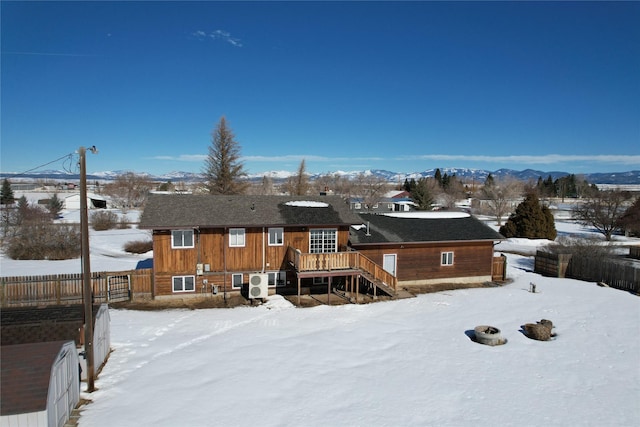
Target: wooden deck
[(348, 263)]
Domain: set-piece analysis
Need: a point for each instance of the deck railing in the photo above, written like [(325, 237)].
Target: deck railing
[(332, 261)]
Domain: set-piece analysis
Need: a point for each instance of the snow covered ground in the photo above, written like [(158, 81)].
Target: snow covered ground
[(399, 363)]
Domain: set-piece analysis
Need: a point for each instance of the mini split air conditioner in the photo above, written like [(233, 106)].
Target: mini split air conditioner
[(258, 285)]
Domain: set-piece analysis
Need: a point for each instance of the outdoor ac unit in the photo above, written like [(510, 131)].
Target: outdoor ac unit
[(258, 285)]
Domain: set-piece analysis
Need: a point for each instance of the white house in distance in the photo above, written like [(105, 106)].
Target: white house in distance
[(94, 201)]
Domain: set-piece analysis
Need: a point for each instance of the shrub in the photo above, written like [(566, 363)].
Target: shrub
[(44, 240), (138, 246), (123, 224), (530, 220), (104, 220), (583, 247)]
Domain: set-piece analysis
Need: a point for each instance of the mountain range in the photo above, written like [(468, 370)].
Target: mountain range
[(478, 175)]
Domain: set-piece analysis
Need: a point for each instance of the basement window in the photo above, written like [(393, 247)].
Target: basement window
[(184, 283), (236, 281), (446, 258)]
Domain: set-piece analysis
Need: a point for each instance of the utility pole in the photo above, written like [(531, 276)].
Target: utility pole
[(86, 271)]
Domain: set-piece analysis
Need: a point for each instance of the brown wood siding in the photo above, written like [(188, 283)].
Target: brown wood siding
[(211, 246), (422, 262)]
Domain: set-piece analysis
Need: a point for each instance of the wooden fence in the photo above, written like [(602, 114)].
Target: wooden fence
[(619, 274), (63, 289), (551, 264), (616, 274)]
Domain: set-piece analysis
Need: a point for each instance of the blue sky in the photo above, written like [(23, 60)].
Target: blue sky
[(402, 86)]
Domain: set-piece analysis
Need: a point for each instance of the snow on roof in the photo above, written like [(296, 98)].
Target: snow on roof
[(307, 204), (429, 214)]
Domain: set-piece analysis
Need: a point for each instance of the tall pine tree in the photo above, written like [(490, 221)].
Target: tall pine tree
[(6, 194), (224, 172)]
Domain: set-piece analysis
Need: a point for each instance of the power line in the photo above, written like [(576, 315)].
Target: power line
[(66, 156)]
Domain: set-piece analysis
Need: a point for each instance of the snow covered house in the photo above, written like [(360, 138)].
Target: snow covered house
[(94, 201), (205, 244), (40, 383), (422, 248)]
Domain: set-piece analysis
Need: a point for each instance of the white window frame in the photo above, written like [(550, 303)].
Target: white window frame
[(357, 205), (177, 239), (329, 235), (237, 237), (234, 280), (446, 258), (183, 280), (276, 236), (277, 278)]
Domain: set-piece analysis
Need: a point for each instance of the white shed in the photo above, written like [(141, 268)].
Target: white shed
[(94, 201), (40, 383)]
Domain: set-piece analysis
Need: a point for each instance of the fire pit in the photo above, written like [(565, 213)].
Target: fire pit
[(488, 335)]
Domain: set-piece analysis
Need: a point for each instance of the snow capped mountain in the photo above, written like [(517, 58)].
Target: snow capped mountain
[(477, 175)]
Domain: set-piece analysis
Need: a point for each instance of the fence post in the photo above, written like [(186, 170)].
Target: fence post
[(3, 296), (58, 291)]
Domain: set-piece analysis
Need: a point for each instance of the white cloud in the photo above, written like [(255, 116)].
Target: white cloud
[(218, 35), (182, 158), (543, 159), (307, 157)]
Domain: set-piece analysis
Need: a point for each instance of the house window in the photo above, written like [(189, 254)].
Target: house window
[(236, 281), (236, 237), (447, 258), (320, 280), (184, 283), (277, 278), (276, 236), (323, 240), (357, 205), (182, 238)]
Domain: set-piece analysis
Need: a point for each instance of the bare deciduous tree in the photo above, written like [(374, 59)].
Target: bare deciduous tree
[(603, 211), (128, 190), (370, 188), (500, 195), (298, 184)]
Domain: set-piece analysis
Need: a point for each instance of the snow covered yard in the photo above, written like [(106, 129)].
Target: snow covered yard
[(406, 362)]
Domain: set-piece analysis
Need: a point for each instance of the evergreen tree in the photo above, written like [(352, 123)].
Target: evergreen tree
[(630, 220), (421, 195), (530, 220), (438, 177), (6, 194), (54, 206), (406, 186), (223, 170), (489, 181)]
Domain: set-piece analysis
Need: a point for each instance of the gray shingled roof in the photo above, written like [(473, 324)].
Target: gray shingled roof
[(390, 229), (164, 211)]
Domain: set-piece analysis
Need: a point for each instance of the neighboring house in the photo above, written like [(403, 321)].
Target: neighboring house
[(94, 201), (204, 244), (28, 325), (40, 383), (421, 248), (400, 202)]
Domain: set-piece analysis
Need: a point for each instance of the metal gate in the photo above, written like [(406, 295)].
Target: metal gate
[(118, 288)]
